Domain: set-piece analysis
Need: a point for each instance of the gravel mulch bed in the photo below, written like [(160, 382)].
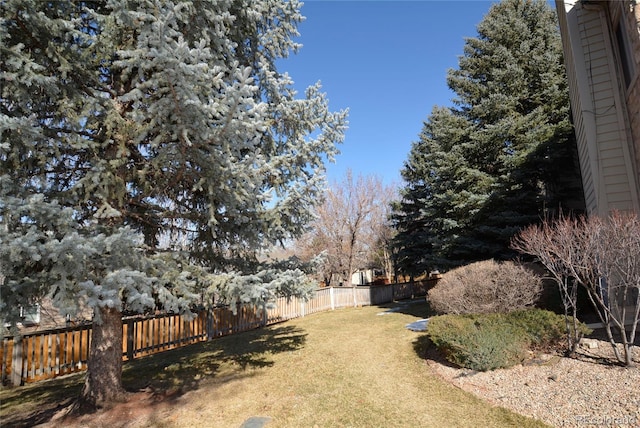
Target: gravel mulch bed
[(588, 390)]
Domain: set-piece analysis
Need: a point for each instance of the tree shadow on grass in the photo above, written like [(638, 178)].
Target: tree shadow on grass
[(427, 350), (230, 356), (51, 396), (164, 376), (422, 344), (416, 307)]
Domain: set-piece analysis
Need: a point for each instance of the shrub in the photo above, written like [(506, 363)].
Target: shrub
[(485, 287), (544, 328), (478, 343), (489, 341), (597, 255)]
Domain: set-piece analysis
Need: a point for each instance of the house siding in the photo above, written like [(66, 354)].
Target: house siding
[(573, 76), (632, 24), (629, 13), (606, 117)]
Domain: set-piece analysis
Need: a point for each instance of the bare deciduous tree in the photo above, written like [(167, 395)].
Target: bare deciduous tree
[(552, 245), (601, 255), (383, 233), (349, 227), (617, 295)]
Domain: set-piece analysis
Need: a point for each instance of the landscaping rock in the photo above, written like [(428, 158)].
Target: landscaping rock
[(420, 325), (256, 422), (563, 392)]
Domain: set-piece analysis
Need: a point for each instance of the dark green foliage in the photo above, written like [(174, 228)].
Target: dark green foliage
[(503, 156), (412, 241), (478, 342), (544, 328), (490, 341)]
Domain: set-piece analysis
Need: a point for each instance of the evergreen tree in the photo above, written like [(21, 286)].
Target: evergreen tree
[(148, 148), (503, 156)]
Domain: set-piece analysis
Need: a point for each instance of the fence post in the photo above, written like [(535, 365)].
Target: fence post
[(5, 358), (130, 339), (355, 297), (265, 318), (209, 324), (333, 303), (16, 362), (302, 306)]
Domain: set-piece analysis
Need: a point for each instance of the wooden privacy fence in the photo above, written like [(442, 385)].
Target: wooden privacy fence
[(50, 353)]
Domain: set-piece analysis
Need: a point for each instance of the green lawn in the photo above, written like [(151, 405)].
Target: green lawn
[(345, 368)]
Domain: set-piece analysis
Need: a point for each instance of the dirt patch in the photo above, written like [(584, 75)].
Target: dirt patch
[(140, 408)]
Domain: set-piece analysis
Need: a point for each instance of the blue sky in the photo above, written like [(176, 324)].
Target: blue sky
[(387, 62)]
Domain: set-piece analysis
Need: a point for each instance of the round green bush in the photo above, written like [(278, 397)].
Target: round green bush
[(489, 341)]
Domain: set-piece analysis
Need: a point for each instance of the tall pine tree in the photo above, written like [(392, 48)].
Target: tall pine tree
[(503, 156), (146, 147)]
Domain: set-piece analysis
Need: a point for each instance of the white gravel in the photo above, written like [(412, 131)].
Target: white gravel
[(563, 392)]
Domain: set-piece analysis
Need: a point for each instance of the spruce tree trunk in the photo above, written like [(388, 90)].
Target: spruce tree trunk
[(103, 384)]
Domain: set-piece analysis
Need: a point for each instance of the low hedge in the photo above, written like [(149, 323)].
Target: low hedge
[(489, 341)]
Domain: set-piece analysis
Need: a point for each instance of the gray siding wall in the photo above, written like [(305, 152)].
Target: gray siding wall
[(607, 158)]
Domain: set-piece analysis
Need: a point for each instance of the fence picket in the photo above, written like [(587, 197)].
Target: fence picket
[(17, 362), (75, 355), (56, 352), (51, 353), (4, 353)]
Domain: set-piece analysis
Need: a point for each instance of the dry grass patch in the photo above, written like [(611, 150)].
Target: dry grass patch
[(346, 368)]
